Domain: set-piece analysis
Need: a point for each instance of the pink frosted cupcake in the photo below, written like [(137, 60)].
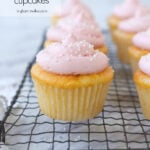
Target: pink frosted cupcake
[(140, 47), (70, 8), (142, 81), (122, 12), (127, 29), (71, 80), (81, 27)]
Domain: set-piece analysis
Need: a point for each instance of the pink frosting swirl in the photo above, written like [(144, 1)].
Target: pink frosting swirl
[(80, 9), (82, 27), (71, 7), (72, 58), (142, 11), (135, 24), (144, 64), (127, 9), (142, 40)]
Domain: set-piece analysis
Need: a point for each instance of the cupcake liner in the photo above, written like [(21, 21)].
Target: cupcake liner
[(123, 42), (112, 34), (74, 104), (144, 97), (113, 24), (112, 29), (134, 64)]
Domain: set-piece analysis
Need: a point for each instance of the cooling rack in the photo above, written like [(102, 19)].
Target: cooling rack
[(121, 124)]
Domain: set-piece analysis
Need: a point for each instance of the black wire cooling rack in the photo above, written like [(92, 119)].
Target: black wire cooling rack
[(121, 125)]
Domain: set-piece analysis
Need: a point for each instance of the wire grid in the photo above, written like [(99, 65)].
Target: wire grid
[(121, 124)]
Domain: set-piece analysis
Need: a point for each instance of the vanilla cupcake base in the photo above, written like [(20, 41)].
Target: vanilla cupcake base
[(123, 41), (142, 82), (80, 99), (144, 96), (102, 49), (71, 104), (134, 64), (113, 22)]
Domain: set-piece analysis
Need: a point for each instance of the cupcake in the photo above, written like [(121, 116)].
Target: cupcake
[(82, 28), (122, 12), (71, 80), (70, 7), (125, 33), (140, 47), (142, 81)]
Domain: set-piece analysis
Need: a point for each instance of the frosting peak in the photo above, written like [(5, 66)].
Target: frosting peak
[(72, 1), (83, 16), (127, 9), (72, 7), (76, 48), (144, 64), (142, 40), (72, 58)]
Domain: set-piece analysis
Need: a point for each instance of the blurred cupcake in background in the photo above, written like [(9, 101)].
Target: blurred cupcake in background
[(127, 29), (71, 80), (122, 12), (70, 7), (81, 27), (142, 81), (140, 47)]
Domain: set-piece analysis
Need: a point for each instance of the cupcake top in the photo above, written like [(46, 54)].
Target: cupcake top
[(82, 27), (126, 10), (70, 6), (72, 57), (76, 10), (144, 64), (135, 24), (142, 40)]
